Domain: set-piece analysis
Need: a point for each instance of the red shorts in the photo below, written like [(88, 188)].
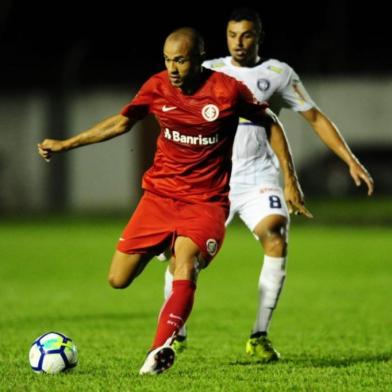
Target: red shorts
[(158, 221)]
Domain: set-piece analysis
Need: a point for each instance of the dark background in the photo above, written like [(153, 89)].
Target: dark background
[(112, 42)]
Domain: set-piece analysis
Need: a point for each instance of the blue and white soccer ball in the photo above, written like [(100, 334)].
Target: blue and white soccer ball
[(53, 353)]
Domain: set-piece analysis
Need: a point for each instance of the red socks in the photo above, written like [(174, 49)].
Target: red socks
[(175, 311)]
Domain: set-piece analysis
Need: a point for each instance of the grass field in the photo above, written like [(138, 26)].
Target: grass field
[(333, 325)]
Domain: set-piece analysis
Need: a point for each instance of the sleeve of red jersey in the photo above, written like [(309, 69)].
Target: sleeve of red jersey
[(139, 107), (249, 107)]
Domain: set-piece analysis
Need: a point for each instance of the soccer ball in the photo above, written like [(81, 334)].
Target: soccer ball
[(53, 353)]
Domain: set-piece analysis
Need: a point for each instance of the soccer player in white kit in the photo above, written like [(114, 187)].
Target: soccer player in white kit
[(256, 194)]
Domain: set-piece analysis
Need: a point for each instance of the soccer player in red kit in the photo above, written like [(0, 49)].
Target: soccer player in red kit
[(185, 202)]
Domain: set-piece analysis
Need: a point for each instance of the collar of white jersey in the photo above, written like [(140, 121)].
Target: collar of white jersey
[(230, 64)]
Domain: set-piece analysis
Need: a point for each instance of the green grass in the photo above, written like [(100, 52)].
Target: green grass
[(333, 325)]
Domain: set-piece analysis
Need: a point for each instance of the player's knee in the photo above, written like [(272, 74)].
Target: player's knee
[(117, 282), (188, 269), (183, 269), (273, 236), (275, 244)]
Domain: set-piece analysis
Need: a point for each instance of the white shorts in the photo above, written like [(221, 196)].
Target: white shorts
[(256, 204)]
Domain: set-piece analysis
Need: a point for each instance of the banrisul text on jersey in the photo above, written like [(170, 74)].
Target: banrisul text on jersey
[(199, 140)]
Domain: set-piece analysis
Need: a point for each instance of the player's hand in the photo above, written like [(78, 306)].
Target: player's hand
[(360, 174), (48, 147), (295, 199)]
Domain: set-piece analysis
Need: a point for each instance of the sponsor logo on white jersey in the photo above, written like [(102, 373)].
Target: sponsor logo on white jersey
[(265, 190), (198, 140), (210, 112), (168, 108)]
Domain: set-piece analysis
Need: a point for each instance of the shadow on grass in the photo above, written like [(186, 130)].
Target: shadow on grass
[(320, 362), (251, 362), (339, 362)]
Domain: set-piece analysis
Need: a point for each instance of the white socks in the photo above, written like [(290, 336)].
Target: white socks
[(167, 291), (271, 281), (168, 283)]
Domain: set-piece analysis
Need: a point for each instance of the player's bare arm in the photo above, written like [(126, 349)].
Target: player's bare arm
[(330, 135), (292, 189), (107, 129)]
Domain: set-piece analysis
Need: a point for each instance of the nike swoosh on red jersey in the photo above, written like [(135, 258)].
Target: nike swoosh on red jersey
[(168, 108)]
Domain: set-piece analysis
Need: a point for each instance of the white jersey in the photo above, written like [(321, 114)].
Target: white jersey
[(254, 162)]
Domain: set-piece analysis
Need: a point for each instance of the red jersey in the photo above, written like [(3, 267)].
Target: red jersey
[(193, 157)]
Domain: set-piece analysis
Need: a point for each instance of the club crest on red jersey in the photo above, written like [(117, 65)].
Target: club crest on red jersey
[(212, 246), (210, 112)]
